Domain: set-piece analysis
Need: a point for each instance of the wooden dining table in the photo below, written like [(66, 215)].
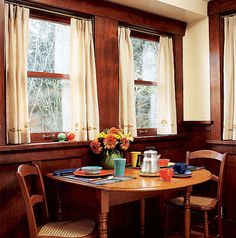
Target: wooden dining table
[(102, 197)]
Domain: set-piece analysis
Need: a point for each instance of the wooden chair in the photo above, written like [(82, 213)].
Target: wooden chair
[(35, 200), (204, 203)]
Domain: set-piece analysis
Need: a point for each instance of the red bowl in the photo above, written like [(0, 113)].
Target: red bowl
[(163, 162), (166, 174)]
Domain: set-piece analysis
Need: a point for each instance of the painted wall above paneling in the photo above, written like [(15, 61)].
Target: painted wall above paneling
[(185, 10)]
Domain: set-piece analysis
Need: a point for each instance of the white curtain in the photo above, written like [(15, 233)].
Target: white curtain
[(229, 131), (84, 101), (166, 103), (127, 116), (16, 41)]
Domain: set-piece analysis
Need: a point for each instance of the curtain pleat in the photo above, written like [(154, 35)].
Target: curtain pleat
[(166, 103), (127, 116), (229, 130), (16, 41), (84, 100)]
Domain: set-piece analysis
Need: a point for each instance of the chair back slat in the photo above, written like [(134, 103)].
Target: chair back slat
[(36, 199), (215, 178), (23, 174)]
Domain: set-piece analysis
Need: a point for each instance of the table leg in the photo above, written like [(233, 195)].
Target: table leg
[(187, 213), (102, 225), (142, 218), (58, 204)]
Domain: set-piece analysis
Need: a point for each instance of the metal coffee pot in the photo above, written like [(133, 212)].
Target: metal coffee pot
[(150, 162)]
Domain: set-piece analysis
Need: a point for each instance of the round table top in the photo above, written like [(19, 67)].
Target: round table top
[(141, 183), (145, 184)]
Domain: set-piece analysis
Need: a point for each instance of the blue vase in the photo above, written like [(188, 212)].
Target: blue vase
[(107, 159)]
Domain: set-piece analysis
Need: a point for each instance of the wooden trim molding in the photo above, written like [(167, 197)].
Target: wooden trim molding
[(222, 142), (216, 71), (178, 58), (2, 79), (221, 7), (107, 68), (187, 123), (115, 12)]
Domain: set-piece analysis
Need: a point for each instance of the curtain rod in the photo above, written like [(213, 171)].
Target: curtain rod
[(144, 30), (230, 15), (46, 10)]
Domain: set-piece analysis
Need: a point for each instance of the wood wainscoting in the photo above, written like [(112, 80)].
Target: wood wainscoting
[(53, 156), (229, 190)]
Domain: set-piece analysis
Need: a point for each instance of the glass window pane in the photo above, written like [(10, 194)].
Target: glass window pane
[(48, 101), (48, 49), (145, 59), (146, 106)]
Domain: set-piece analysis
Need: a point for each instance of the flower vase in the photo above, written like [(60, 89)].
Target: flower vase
[(107, 159)]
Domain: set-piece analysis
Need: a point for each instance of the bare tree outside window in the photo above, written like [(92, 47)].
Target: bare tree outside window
[(146, 66), (48, 52)]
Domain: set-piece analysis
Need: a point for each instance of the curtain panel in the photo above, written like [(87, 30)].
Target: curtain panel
[(166, 103), (127, 116), (16, 41), (229, 129), (84, 100)]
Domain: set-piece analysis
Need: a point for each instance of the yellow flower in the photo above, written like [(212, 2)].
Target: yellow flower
[(129, 137), (102, 135), (118, 137)]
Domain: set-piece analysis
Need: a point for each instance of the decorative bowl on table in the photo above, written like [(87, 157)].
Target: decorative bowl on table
[(91, 169)]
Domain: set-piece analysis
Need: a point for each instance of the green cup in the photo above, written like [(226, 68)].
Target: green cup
[(119, 167)]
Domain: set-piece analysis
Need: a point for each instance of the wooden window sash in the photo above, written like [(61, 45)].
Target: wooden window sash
[(145, 131), (34, 74)]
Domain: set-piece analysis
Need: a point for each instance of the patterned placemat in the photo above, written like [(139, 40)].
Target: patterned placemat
[(100, 181)]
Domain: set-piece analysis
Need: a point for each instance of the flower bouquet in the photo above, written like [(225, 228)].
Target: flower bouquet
[(110, 143)]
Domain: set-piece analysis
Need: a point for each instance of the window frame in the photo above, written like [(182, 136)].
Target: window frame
[(150, 37), (42, 137)]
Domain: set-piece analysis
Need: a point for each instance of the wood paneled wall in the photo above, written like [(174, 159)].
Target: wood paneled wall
[(50, 156), (2, 81), (216, 10)]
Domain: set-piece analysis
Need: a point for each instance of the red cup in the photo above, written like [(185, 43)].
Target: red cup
[(166, 174), (163, 162)]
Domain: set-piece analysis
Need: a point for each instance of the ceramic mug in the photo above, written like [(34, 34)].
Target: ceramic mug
[(166, 174), (119, 167), (134, 158)]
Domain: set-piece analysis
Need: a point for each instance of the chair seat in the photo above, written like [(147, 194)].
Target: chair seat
[(68, 229), (197, 202)]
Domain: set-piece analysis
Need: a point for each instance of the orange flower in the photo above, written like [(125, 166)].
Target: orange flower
[(110, 142), (95, 146), (124, 144), (113, 130)]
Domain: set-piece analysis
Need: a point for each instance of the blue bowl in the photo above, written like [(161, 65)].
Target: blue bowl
[(180, 167), (91, 169)]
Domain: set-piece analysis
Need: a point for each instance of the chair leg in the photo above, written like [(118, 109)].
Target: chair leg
[(219, 223), (166, 221), (206, 227)]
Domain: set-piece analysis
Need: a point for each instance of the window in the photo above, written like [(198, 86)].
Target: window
[(48, 76), (146, 65)]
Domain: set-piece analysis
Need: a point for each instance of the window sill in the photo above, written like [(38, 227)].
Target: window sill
[(47, 145), (221, 142), (159, 138), (66, 144)]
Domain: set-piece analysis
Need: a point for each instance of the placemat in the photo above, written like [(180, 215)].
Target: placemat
[(99, 180)]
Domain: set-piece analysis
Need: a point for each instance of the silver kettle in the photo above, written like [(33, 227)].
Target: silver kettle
[(150, 162)]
